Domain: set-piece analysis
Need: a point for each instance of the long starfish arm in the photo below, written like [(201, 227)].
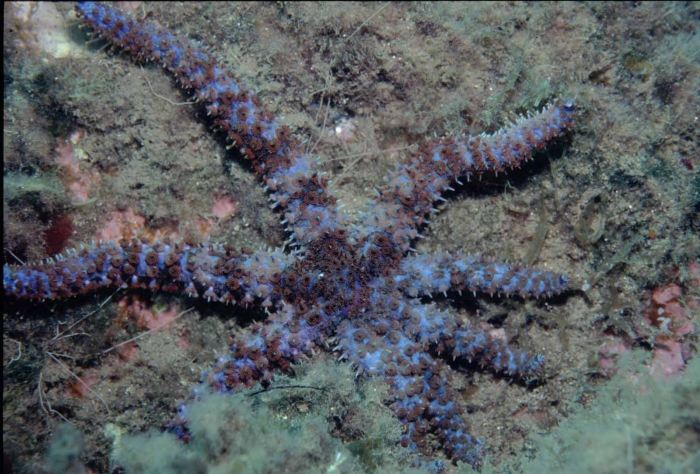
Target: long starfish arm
[(297, 190), (428, 274), (420, 180), (214, 272)]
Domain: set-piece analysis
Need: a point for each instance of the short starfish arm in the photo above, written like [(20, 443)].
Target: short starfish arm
[(419, 384), (428, 274), (425, 405), (214, 272), (472, 345), (455, 338), (412, 188), (297, 189), (286, 338), (423, 326)]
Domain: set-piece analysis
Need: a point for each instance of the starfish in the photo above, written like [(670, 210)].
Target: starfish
[(351, 285)]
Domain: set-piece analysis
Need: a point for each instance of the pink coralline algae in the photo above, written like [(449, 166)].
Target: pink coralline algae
[(350, 286), (667, 322)]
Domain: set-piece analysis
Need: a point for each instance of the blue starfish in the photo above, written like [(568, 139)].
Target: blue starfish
[(353, 284)]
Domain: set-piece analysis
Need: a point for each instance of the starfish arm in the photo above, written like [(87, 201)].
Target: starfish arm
[(409, 324), (419, 181), (214, 272), (426, 405), (427, 274), (284, 339), (409, 329), (297, 190), (422, 400), (457, 339)]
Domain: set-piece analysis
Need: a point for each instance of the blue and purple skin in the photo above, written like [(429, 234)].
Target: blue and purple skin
[(354, 285)]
